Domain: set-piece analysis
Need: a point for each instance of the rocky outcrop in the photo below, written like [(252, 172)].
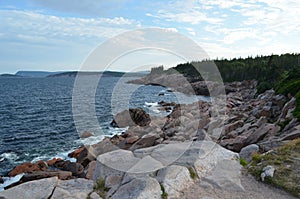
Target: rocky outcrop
[(29, 167), (131, 117), (122, 169), (162, 154), (76, 168)]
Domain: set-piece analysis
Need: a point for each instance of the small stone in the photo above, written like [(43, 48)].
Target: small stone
[(86, 134), (267, 171)]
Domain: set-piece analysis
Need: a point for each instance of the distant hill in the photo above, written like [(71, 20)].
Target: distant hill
[(73, 74), (35, 73), (104, 74), (9, 75)]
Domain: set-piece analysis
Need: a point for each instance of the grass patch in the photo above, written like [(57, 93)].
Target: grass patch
[(164, 194), (286, 161), (193, 173), (243, 162), (256, 157), (100, 188)]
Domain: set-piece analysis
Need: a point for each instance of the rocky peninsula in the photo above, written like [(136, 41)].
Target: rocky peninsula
[(190, 153)]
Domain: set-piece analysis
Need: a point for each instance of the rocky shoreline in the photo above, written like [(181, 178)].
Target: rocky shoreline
[(162, 157)]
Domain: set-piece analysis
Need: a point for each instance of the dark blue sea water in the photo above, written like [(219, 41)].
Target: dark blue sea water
[(36, 116)]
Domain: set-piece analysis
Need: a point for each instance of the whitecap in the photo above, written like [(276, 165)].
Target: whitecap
[(10, 156), (10, 180), (151, 104)]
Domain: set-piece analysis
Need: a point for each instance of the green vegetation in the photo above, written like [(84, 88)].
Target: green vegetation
[(164, 195), (281, 72), (290, 84), (243, 162), (193, 173), (100, 188), (286, 161), (268, 70)]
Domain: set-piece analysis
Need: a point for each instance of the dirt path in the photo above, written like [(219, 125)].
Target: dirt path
[(253, 190)]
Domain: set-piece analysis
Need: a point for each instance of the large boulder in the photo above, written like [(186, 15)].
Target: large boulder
[(226, 176), (288, 106), (28, 167), (247, 152), (73, 189), (175, 179), (76, 168), (131, 117), (114, 163), (139, 188), (31, 190), (145, 141), (84, 155)]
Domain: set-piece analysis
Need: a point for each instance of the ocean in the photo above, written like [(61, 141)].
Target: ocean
[(36, 115)]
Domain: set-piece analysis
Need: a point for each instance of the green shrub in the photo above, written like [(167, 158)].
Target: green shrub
[(193, 173), (243, 162), (291, 86), (100, 188), (164, 195), (263, 86)]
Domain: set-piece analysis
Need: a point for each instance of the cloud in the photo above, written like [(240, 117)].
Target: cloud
[(83, 7), (189, 12), (32, 39), (33, 26)]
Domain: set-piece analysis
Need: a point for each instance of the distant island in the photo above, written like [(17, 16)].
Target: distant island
[(44, 74)]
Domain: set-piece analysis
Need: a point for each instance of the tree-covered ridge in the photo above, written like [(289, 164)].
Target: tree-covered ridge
[(267, 70), (280, 72), (262, 68)]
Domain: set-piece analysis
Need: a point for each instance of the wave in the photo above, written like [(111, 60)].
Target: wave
[(62, 155), (97, 138), (10, 156), (151, 104), (10, 180)]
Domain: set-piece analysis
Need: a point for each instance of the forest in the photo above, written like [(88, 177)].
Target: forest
[(280, 72)]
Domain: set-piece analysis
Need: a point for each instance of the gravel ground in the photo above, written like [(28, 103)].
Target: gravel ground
[(253, 190)]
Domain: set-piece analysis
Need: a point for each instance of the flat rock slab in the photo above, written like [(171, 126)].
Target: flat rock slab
[(73, 189), (39, 189), (139, 188), (226, 175)]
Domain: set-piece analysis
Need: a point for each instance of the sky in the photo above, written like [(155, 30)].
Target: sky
[(59, 35)]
